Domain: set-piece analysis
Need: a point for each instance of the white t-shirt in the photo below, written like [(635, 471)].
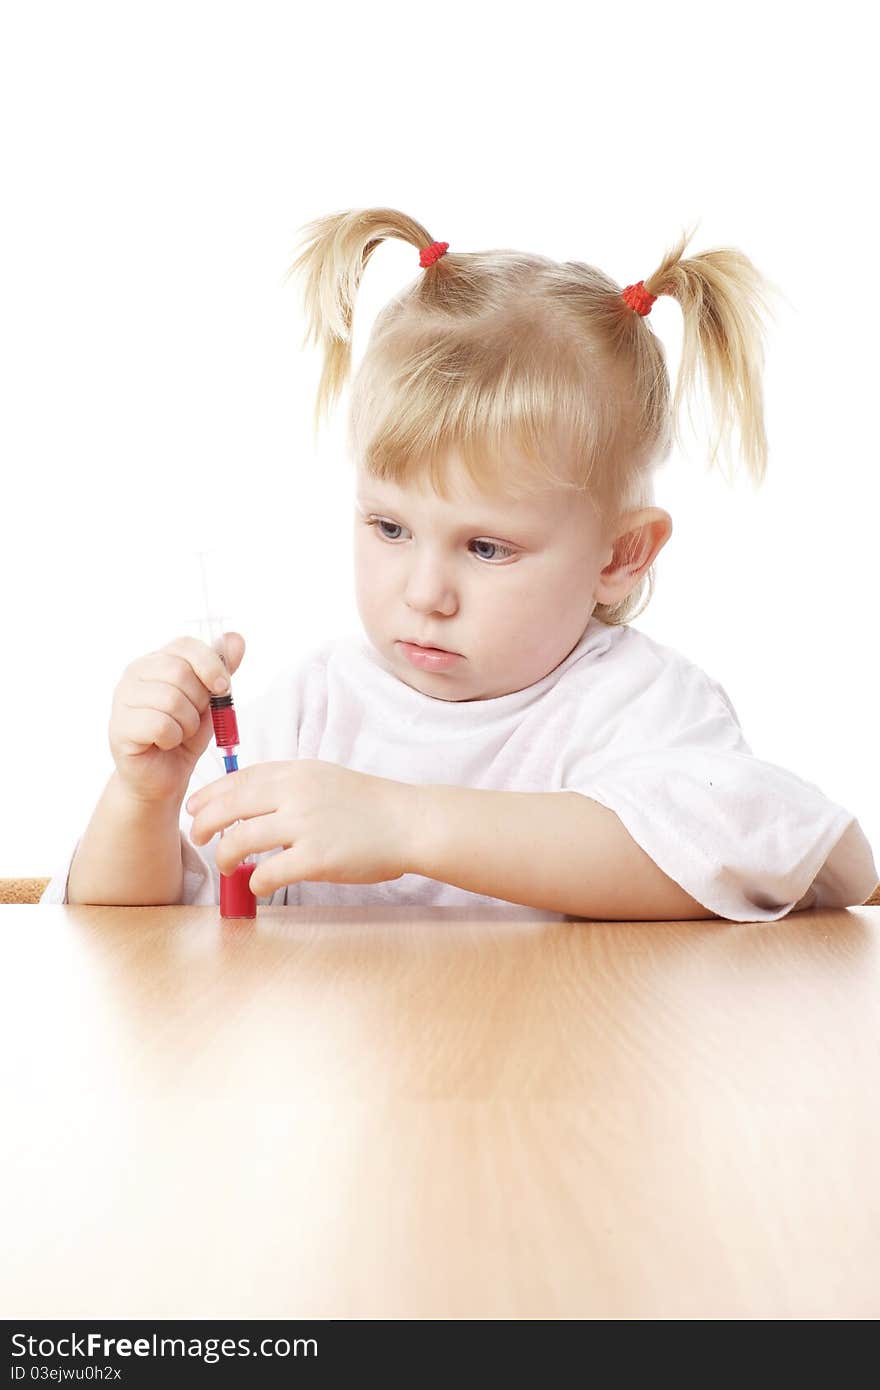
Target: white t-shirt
[(623, 719)]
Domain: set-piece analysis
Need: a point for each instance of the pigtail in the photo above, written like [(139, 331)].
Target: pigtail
[(721, 294), (336, 250)]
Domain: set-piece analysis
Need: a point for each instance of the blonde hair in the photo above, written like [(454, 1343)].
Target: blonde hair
[(488, 348)]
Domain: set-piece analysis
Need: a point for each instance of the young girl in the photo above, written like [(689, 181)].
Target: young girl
[(499, 734)]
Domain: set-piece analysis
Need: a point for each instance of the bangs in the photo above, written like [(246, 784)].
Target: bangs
[(522, 416)]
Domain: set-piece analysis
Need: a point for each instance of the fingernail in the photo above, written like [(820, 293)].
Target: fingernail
[(221, 685)]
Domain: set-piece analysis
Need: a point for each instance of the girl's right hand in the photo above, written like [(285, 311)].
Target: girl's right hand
[(160, 724)]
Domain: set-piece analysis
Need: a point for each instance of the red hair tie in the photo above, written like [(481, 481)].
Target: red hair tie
[(432, 253), (638, 298)]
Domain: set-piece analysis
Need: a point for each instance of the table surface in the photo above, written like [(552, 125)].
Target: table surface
[(446, 1114)]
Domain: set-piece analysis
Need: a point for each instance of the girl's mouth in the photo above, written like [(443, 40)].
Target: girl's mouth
[(428, 658)]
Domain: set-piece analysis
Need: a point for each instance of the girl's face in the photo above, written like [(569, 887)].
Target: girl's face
[(509, 585)]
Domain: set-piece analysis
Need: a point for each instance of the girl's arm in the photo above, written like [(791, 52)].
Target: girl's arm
[(560, 851), (130, 853)]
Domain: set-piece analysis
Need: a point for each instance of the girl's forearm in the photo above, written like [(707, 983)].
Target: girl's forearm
[(560, 851), (130, 853)]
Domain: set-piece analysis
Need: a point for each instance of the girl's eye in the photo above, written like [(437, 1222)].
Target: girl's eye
[(495, 546)]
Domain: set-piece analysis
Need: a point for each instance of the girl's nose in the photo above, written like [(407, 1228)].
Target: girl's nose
[(429, 588)]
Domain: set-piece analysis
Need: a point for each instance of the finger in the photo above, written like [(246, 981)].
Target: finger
[(217, 804), (274, 873), (199, 799), (169, 700), (257, 836), (188, 656), (172, 668), (251, 791)]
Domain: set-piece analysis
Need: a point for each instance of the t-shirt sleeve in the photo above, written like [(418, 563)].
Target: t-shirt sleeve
[(748, 839), (56, 889)]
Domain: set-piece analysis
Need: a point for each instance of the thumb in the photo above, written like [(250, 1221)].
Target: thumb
[(234, 645)]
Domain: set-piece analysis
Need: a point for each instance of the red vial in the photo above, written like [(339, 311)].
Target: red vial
[(236, 898)]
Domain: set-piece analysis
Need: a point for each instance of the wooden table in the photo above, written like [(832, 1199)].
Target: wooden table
[(443, 1114)]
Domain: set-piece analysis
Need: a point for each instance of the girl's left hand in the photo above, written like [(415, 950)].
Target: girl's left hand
[(335, 825)]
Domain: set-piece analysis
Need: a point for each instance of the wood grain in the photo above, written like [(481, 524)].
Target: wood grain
[(330, 1113)]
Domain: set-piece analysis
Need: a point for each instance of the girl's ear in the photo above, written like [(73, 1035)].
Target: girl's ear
[(637, 542)]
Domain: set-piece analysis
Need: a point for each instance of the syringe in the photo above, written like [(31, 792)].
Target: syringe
[(236, 898)]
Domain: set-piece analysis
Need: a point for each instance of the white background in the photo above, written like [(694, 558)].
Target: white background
[(157, 163)]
